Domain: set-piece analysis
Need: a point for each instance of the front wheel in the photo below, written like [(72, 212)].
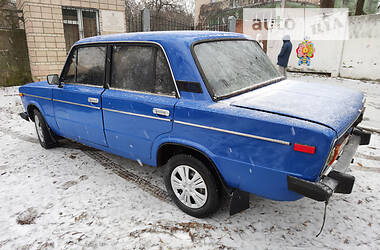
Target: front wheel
[(192, 186), (44, 134)]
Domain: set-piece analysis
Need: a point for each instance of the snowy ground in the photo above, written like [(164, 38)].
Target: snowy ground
[(68, 199)]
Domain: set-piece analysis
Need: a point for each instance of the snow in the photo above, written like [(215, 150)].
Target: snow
[(69, 200)]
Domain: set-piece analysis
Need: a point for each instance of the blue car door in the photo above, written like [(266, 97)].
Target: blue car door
[(77, 104), (139, 105)]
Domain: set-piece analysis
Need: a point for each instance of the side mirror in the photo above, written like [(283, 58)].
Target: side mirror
[(53, 79)]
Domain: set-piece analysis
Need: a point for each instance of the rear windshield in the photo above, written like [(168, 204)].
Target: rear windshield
[(232, 66)]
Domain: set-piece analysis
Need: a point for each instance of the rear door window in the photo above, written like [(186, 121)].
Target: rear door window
[(132, 68), (141, 68)]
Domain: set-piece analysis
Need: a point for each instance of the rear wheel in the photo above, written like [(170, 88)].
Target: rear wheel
[(192, 186), (44, 134)]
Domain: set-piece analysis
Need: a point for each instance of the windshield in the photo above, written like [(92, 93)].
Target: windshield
[(232, 66)]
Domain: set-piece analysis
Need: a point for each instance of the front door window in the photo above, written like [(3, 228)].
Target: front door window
[(86, 65)]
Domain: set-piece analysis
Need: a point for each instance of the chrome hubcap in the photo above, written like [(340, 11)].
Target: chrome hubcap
[(189, 186), (38, 125)]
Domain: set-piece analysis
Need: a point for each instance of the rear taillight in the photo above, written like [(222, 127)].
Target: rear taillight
[(334, 154), (337, 151)]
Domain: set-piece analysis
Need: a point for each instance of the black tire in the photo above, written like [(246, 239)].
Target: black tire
[(212, 200), (44, 133)]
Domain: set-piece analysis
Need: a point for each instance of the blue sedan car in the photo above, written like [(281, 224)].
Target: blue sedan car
[(207, 107)]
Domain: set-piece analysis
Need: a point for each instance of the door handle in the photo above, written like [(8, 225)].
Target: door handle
[(93, 100), (162, 112)]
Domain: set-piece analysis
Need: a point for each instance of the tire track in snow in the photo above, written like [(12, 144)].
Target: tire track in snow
[(128, 175)]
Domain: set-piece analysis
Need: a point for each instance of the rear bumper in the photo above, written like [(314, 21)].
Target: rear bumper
[(334, 180)]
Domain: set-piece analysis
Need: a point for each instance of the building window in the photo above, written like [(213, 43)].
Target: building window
[(78, 24)]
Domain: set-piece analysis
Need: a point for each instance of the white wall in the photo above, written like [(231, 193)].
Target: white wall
[(358, 57), (361, 55)]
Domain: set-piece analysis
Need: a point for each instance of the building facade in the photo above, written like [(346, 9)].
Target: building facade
[(53, 26)]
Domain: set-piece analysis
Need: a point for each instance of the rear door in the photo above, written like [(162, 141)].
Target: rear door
[(77, 105), (139, 105)]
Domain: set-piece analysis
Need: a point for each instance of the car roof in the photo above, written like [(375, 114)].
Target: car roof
[(176, 45), (161, 37)]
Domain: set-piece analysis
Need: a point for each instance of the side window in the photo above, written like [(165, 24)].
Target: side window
[(86, 65), (132, 68), (70, 69), (141, 68), (91, 65)]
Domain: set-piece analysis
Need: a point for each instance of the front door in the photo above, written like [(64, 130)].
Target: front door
[(77, 105), (139, 106)]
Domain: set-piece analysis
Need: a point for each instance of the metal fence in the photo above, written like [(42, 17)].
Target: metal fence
[(134, 22), (161, 22)]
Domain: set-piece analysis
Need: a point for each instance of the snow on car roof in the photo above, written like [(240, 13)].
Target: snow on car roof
[(162, 36)]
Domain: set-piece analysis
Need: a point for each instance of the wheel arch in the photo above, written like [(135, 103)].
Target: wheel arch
[(169, 149), (30, 110)]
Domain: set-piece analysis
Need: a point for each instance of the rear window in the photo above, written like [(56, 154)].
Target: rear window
[(232, 66)]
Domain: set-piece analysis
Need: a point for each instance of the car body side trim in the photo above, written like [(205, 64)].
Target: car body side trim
[(235, 133), (141, 92), (83, 84), (168, 120), (45, 98), (78, 104), (134, 114)]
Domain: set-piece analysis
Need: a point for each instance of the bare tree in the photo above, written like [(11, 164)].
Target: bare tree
[(169, 5), (178, 10), (8, 14), (327, 3)]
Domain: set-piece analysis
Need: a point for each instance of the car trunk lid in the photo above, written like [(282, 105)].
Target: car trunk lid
[(333, 106)]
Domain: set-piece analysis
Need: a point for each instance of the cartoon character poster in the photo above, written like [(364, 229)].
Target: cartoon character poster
[(305, 52)]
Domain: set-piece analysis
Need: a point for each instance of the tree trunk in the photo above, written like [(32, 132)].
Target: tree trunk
[(359, 8)]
